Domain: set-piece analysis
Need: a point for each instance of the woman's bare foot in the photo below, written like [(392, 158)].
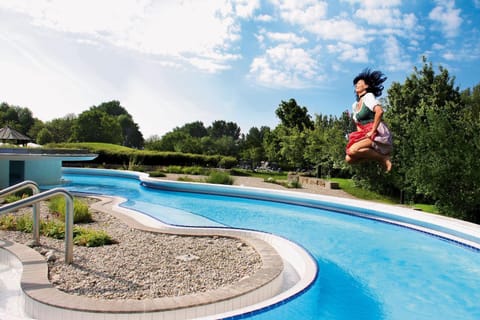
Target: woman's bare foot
[(388, 164)]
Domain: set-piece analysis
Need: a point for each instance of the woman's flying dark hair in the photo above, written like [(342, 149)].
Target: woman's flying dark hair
[(373, 79)]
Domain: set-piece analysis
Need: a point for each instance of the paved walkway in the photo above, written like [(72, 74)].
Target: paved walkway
[(260, 183)]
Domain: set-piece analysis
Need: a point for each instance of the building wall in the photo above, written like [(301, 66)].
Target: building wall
[(4, 173), (44, 171)]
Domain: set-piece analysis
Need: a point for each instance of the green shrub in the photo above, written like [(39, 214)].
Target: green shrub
[(294, 184), (81, 212), (195, 170), (157, 174), (174, 169), (186, 179), (25, 223), (8, 222), (91, 238), (53, 228), (12, 198), (219, 177)]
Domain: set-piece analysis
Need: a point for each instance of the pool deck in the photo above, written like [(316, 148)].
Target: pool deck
[(286, 270)]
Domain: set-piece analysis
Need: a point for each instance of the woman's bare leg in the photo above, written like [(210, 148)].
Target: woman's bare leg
[(362, 150), (369, 153)]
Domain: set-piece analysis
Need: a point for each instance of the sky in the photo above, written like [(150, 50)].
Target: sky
[(175, 62)]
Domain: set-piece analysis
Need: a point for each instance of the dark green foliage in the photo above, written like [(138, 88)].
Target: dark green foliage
[(435, 157), (293, 116), (219, 177)]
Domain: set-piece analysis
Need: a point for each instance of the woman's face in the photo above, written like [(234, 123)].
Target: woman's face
[(360, 87)]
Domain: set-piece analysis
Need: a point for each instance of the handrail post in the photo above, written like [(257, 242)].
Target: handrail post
[(36, 222), (36, 198), (35, 208), (68, 228)]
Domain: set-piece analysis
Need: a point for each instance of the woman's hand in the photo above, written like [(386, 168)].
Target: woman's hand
[(370, 133)]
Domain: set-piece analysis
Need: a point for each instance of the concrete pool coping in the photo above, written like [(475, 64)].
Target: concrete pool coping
[(287, 270)]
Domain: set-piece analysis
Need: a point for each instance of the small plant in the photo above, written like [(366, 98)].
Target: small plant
[(157, 174), (174, 169), (53, 228), (294, 184), (25, 223), (186, 179), (195, 170), (8, 222), (12, 198), (91, 238), (81, 213), (219, 177)]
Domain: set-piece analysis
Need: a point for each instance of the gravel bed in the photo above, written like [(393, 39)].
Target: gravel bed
[(143, 265)]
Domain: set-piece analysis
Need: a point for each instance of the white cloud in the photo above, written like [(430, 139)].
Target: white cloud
[(447, 17), (375, 3), (302, 12), (339, 30), (246, 8), (289, 37), (264, 18), (389, 17), (449, 56), (285, 66), (196, 32), (395, 57), (311, 16), (347, 52)]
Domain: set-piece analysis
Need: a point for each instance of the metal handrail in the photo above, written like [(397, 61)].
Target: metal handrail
[(68, 214), (36, 206)]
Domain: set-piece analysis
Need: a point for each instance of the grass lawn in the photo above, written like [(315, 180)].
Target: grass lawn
[(348, 186)]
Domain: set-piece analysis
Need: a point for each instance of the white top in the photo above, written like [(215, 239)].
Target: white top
[(369, 100)]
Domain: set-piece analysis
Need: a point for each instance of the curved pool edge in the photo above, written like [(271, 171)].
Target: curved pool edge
[(448, 228), (452, 229), (256, 293)]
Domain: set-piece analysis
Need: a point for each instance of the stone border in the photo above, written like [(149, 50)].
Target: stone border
[(265, 287)]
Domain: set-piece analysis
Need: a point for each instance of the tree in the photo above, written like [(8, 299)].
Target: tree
[(44, 136), (325, 144), (132, 137), (292, 115), (18, 118), (292, 148), (252, 148), (435, 147), (97, 126), (61, 129), (220, 128)]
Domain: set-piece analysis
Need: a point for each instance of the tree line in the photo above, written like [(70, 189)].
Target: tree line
[(435, 126), (108, 122)]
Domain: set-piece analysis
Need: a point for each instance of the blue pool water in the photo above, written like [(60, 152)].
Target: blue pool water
[(367, 269)]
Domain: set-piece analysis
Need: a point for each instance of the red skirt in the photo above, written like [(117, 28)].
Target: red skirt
[(360, 135)]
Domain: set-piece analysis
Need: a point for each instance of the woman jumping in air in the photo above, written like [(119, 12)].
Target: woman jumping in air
[(372, 140)]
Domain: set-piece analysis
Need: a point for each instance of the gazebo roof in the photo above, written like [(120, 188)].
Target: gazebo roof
[(7, 133)]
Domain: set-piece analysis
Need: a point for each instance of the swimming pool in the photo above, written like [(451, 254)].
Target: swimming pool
[(368, 269)]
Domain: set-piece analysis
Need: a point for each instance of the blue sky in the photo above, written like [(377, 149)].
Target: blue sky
[(173, 62)]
